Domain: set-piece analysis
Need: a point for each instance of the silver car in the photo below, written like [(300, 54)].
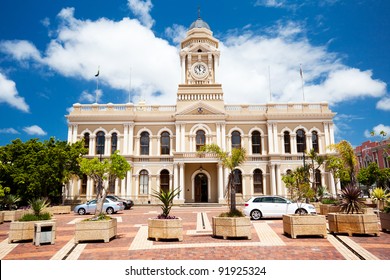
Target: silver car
[(274, 206), (109, 206)]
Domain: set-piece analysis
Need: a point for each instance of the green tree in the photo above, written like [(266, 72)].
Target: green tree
[(368, 175), (346, 163), (230, 161), (316, 162), (106, 170), (35, 169), (297, 184)]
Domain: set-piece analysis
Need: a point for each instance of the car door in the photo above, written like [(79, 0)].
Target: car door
[(280, 206), (266, 206), (91, 206)]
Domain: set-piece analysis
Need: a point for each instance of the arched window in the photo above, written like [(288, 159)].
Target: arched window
[(144, 143), (301, 141), (165, 142), (256, 142), (164, 180), (314, 140), (318, 178), (114, 142), (200, 139), (237, 180), (236, 140), (83, 190), (143, 182), (287, 144), (86, 140), (100, 141), (258, 181)]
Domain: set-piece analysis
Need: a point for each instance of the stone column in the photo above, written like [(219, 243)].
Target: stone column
[(129, 182), (220, 183), (273, 178), (181, 196), (270, 138)]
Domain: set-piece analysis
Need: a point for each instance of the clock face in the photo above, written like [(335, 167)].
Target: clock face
[(199, 70)]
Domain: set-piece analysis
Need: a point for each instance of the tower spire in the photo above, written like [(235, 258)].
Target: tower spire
[(199, 12)]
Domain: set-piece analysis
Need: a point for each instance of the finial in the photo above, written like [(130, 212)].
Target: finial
[(199, 12)]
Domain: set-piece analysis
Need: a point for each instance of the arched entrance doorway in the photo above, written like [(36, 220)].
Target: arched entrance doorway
[(201, 188)]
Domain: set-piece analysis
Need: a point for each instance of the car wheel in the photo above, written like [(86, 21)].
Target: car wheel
[(301, 211), (110, 210), (256, 215), (81, 211)]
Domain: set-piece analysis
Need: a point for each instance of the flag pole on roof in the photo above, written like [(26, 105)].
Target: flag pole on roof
[(97, 83), (301, 73)]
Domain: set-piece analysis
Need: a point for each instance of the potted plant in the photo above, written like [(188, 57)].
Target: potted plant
[(384, 217), (329, 205), (11, 212), (302, 223), (101, 226), (23, 229), (165, 226), (352, 219), (380, 196), (232, 223)]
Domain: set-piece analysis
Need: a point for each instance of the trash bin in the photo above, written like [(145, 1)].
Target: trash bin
[(44, 232)]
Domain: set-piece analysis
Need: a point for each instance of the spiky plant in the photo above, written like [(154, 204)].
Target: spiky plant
[(10, 200), (350, 203), (39, 205), (166, 198)]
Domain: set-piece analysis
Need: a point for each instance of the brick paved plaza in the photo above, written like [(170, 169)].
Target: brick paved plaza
[(268, 241)]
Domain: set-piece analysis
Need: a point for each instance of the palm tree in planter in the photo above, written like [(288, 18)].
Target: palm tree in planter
[(232, 223), (11, 213), (165, 226), (101, 226), (23, 229), (302, 223), (352, 219)]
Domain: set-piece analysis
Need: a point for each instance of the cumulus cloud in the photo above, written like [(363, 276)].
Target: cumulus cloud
[(142, 9), (34, 130), (251, 65), (384, 104), (10, 95), (377, 131), (270, 3), (8, 131)]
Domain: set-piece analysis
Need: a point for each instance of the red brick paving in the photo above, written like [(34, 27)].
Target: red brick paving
[(302, 248)]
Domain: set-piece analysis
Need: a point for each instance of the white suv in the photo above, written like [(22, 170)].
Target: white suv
[(274, 206)]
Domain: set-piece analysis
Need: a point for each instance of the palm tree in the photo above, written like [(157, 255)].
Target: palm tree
[(231, 161)]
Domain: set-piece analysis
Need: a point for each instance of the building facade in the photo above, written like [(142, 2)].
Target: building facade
[(161, 142), (377, 152)]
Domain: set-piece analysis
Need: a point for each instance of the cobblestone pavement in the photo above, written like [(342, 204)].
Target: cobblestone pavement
[(268, 241)]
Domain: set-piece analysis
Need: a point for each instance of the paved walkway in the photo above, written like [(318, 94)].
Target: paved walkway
[(268, 242)]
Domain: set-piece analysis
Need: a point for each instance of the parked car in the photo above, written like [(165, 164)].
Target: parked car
[(128, 203), (110, 206), (274, 206)]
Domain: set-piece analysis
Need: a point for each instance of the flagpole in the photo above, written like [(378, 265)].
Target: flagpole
[(97, 84), (303, 91), (130, 87)]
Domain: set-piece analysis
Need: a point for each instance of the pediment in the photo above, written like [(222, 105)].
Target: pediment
[(200, 108)]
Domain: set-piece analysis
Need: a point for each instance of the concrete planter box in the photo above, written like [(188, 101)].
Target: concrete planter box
[(295, 225), (1, 217), (61, 209), (317, 205), (14, 215), (232, 227), (95, 230), (385, 221), (353, 223), (19, 231), (165, 229), (325, 209)]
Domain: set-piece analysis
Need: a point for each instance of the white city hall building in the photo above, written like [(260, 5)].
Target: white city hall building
[(161, 142)]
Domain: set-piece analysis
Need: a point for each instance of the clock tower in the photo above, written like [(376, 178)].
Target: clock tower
[(199, 59)]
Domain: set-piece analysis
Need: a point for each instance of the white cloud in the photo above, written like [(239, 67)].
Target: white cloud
[(20, 50), (378, 130), (8, 131), (270, 3), (91, 97), (248, 62), (142, 9), (384, 104), (9, 94), (34, 130)]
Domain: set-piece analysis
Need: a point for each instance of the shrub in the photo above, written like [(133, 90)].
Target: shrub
[(32, 217), (232, 214), (351, 199)]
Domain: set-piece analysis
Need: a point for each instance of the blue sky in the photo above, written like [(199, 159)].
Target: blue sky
[(51, 50)]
